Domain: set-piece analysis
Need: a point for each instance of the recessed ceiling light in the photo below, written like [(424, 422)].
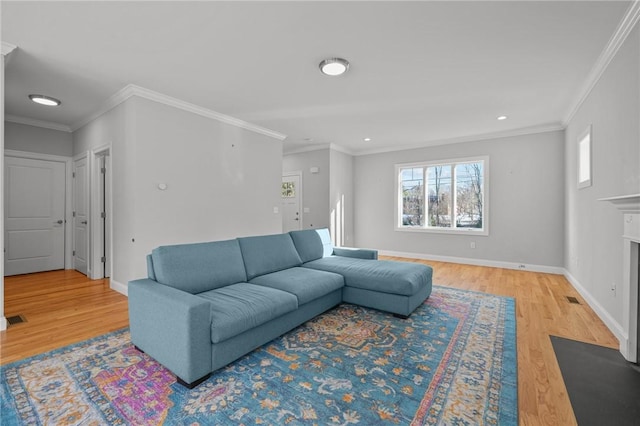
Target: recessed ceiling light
[(502, 117), (334, 66), (367, 139), (45, 100)]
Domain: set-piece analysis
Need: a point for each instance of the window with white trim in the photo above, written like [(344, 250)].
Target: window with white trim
[(443, 196)]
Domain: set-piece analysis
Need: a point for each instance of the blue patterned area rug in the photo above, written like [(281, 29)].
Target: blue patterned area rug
[(452, 362)]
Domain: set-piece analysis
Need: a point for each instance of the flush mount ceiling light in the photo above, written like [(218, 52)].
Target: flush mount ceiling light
[(502, 117), (334, 66), (367, 139), (45, 100)]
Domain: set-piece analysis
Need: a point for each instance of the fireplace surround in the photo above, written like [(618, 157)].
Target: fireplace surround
[(630, 207)]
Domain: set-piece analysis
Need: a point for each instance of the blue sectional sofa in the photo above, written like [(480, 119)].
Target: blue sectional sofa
[(205, 305)]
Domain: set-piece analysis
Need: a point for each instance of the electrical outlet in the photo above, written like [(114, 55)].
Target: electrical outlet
[(521, 266), (472, 244)]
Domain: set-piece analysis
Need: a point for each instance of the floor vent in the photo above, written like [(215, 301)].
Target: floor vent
[(572, 299), (16, 319)]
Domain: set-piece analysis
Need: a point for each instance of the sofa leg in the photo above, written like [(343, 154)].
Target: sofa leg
[(401, 316), (194, 383), (138, 349)]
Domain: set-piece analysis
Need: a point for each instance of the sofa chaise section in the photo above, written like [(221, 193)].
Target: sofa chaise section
[(396, 287)]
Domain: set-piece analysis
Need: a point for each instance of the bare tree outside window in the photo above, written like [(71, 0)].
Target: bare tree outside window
[(413, 197), (439, 196), (469, 197), (443, 196)]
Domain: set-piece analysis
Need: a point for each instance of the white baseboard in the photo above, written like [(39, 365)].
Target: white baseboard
[(606, 318), (3, 323), (119, 287), (478, 262)]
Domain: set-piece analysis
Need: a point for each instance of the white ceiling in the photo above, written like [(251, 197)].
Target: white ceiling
[(421, 72)]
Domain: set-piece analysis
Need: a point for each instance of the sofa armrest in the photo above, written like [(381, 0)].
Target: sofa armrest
[(172, 326), (355, 252)]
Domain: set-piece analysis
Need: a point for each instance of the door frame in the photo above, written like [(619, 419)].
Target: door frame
[(68, 207), (95, 232), (75, 158), (299, 174)]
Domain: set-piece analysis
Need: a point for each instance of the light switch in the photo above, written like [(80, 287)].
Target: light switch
[(306, 210), (275, 210)]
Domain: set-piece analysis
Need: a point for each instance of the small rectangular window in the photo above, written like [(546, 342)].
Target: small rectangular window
[(443, 196)]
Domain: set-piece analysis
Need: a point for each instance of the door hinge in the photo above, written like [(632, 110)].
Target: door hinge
[(103, 215), (73, 174), (103, 170), (74, 252), (74, 214), (103, 259)]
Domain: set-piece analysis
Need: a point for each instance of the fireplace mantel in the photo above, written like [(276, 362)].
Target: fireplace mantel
[(625, 203), (629, 205)]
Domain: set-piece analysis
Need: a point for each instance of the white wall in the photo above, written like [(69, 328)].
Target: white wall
[(341, 197), (315, 186), (222, 181), (21, 137), (526, 206), (593, 230), (115, 128)]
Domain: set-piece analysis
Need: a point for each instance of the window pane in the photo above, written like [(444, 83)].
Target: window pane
[(469, 195), (439, 186), (288, 189), (412, 197)]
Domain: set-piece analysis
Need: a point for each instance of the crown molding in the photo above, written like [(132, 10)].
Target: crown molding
[(319, 147), (340, 148), (133, 90), (37, 123), (623, 30), (552, 127), (314, 147), (113, 101), (8, 48)]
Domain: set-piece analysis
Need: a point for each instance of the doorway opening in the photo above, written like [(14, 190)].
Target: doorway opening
[(101, 213), (291, 201)]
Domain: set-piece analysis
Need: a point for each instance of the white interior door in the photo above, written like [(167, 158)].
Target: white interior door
[(80, 215), (34, 215), (291, 200), (106, 204)]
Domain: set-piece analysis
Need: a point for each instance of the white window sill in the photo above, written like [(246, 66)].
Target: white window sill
[(456, 231)]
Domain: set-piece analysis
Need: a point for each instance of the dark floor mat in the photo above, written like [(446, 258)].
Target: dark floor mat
[(603, 387)]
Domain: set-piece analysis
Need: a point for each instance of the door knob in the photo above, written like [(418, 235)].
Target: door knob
[(59, 222), (84, 222)]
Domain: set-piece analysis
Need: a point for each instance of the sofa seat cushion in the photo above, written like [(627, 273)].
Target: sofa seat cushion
[(239, 307), (383, 276), (307, 284)]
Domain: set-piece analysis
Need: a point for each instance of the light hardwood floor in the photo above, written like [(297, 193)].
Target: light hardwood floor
[(64, 307), (60, 307)]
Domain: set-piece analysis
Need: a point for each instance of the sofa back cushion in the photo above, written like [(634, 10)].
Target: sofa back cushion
[(268, 253), (199, 267), (312, 244)]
